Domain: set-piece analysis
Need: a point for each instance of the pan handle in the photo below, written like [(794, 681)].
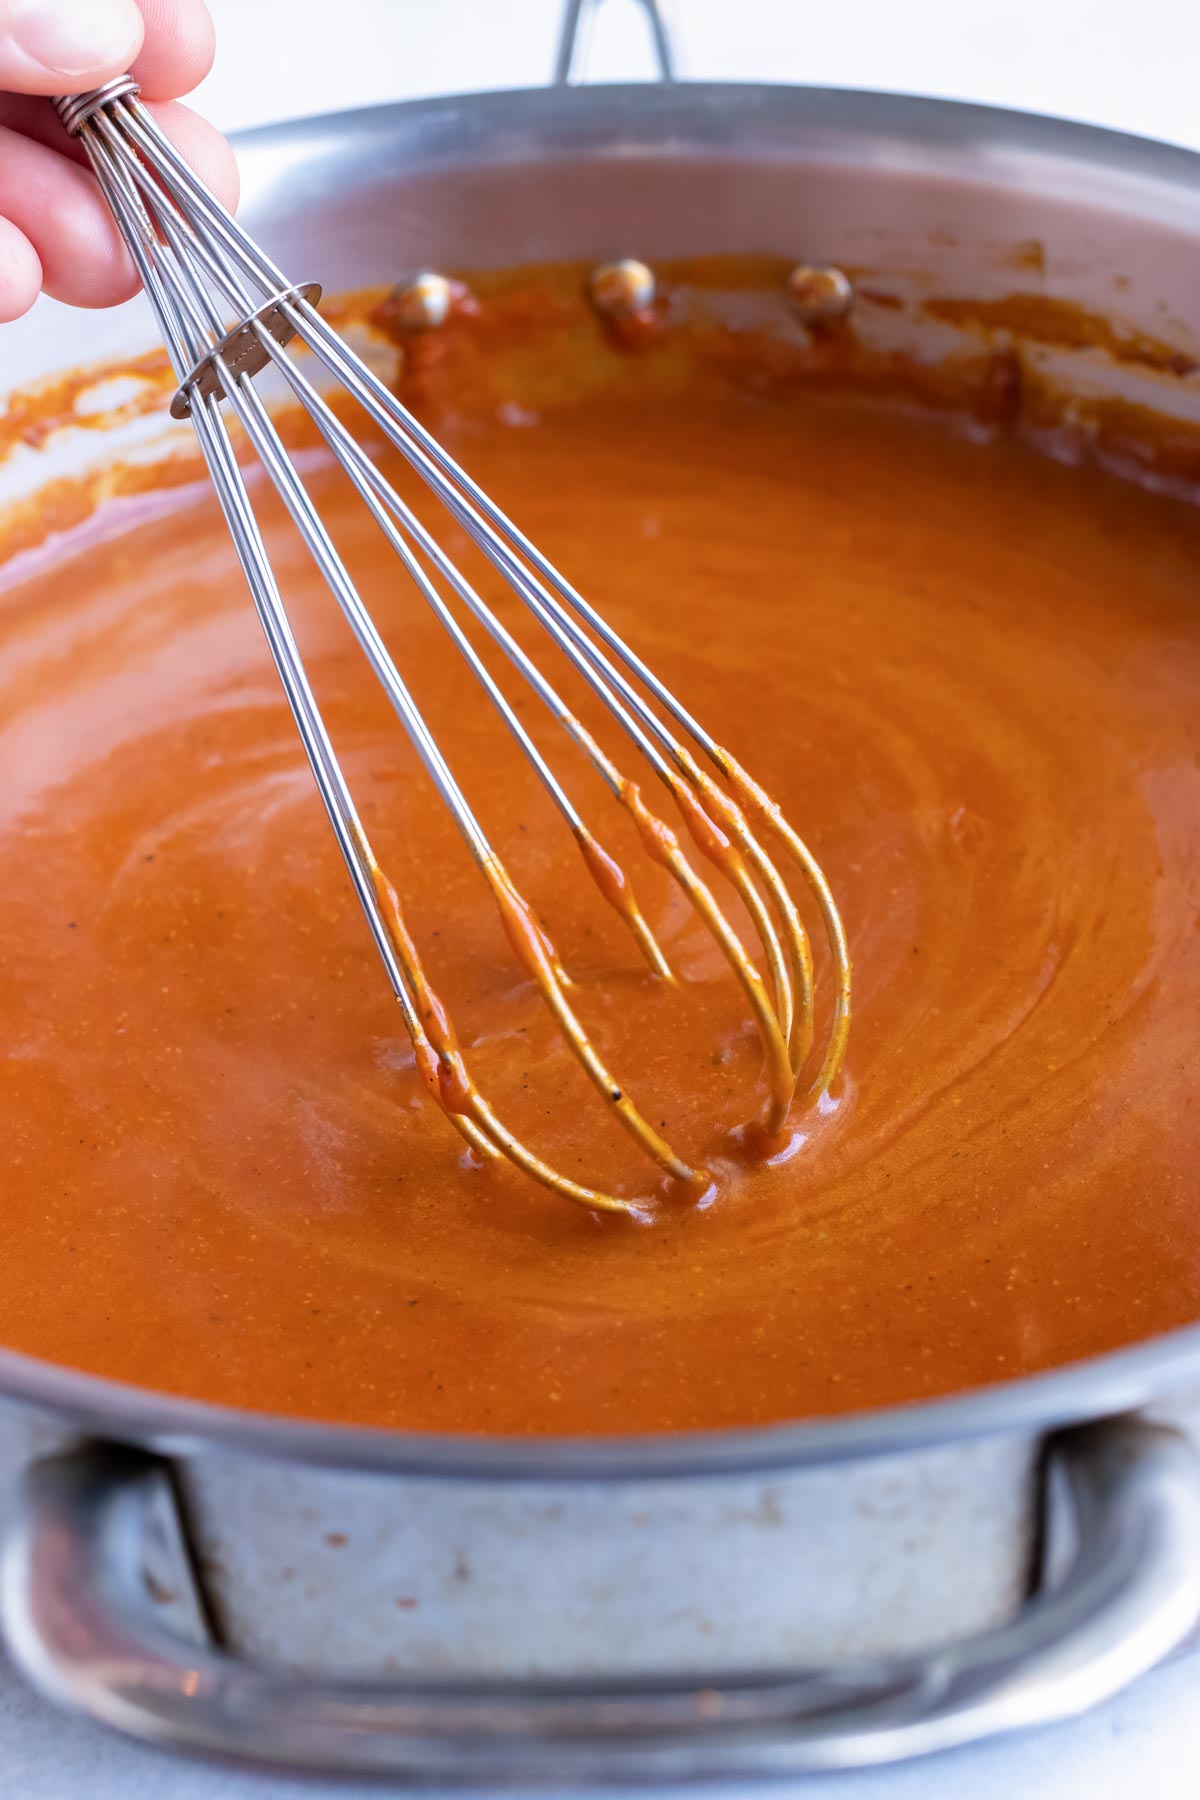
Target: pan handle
[(79, 1623), (568, 53)]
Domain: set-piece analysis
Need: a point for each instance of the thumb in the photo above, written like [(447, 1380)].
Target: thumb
[(66, 46)]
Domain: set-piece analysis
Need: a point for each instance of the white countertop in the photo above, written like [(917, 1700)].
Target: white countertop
[(1055, 56)]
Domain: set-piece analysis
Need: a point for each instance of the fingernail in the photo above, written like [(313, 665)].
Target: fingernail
[(73, 37)]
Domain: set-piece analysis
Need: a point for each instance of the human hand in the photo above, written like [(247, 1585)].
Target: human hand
[(56, 232)]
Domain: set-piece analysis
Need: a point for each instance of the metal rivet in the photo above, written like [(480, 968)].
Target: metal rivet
[(820, 293), (423, 301), (621, 289)]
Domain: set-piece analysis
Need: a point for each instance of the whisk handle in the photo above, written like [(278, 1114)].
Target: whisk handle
[(76, 109), (568, 53)]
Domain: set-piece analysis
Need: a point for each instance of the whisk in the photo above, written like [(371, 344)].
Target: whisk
[(226, 313)]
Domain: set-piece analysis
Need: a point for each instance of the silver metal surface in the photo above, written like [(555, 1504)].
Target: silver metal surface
[(74, 110), (819, 293), (423, 301), (569, 57), (620, 289), (922, 191), (81, 1628), (902, 182), (241, 350), (898, 182)]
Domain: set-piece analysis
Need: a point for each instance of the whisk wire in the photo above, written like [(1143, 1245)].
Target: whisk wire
[(188, 250), (387, 508), (123, 196)]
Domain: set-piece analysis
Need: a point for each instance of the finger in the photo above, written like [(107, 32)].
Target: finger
[(203, 147), (34, 117), (176, 54), (60, 209), (177, 49), (66, 46), (20, 272)]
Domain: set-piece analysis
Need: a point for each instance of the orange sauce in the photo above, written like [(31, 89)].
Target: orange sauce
[(969, 676)]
